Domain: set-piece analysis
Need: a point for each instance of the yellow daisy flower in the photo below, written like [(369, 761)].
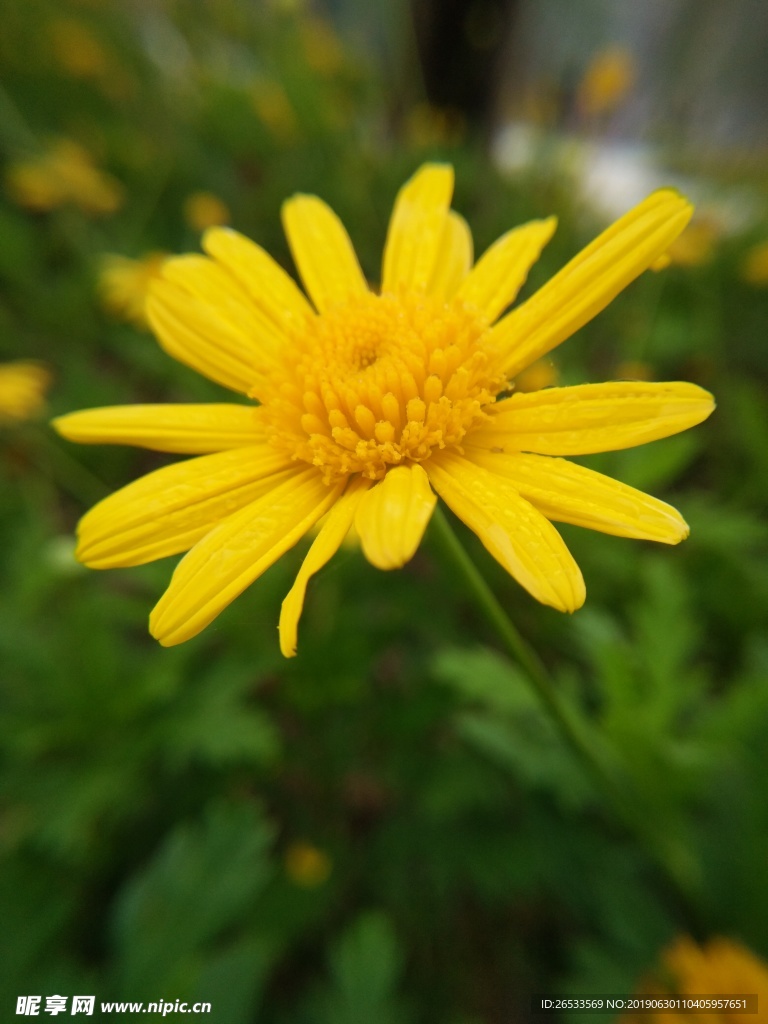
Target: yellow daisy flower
[(717, 968), (63, 173), (23, 385), (371, 405)]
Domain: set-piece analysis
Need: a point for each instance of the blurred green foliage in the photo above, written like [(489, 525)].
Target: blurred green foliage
[(149, 796)]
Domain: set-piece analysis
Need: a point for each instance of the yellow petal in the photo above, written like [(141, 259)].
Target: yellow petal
[(192, 332), (322, 252), (592, 279), (185, 429), (220, 292), (568, 493), (168, 511), (238, 551), (274, 293), (454, 258), (501, 271), (329, 539), (591, 418), (416, 228), (392, 517), (515, 533)]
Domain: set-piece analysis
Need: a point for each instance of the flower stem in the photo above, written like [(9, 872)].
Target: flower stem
[(674, 861)]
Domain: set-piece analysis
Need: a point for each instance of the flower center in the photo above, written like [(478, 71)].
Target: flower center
[(381, 380)]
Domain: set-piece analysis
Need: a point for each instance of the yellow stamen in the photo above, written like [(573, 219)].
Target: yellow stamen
[(381, 380)]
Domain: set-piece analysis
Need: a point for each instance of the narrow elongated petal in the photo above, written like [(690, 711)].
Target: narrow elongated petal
[(221, 293), (392, 517), (238, 551), (592, 418), (322, 251), (274, 293), (454, 258), (592, 279), (512, 530), (168, 511), (193, 332), (324, 547), (185, 429), (568, 493), (416, 228), (501, 271)]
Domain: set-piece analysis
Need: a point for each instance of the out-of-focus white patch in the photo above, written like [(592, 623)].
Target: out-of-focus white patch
[(59, 555), (610, 177), (514, 147), (614, 177)]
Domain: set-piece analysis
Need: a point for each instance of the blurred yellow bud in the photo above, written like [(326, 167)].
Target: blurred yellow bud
[(76, 49), (124, 284), (306, 865), (754, 267), (426, 125), (322, 48), (541, 374), (606, 82), (64, 173), (205, 210), (274, 108), (634, 369), (23, 386)]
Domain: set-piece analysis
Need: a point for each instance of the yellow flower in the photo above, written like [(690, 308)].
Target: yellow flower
[(22, 390), (77, 50), (434, 126), (607, 80), (634, 369), (64, 173), (322, 49), (306, 865), (371, 405), (695, 246), (754, 268), (720, 967), (124, 284), (273, 107), (541, 374), (205, 210)]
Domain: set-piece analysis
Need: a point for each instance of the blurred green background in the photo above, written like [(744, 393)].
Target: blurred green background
[(387, 828)]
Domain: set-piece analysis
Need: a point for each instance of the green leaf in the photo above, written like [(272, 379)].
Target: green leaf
[(203, 879), (365, 966)]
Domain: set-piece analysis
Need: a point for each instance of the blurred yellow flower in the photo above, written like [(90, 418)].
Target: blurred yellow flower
[(124, 284), (205, 210), (64, 173), (695, 246), (426, 125), (322, 48), (606, 82), (274, 108), (542, 374), (23, 386), (373, 404), (306, 865), (719, 967), (77, 50), (634, 369), (754, 267)]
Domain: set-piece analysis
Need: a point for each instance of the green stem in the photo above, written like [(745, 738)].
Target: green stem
[(670, 857)]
